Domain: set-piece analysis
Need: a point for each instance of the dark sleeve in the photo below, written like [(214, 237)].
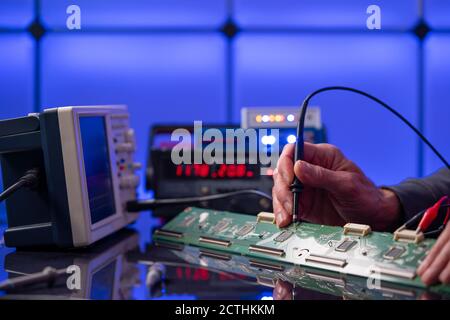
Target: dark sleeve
[(418, 194)]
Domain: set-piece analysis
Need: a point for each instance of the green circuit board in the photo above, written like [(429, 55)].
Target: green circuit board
[(373, 255), (269, 273)]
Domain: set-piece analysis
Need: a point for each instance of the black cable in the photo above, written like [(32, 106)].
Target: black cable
[(408, 224), (297, 186), (29, 180), (142, 205), (433, 233), (12, 189)]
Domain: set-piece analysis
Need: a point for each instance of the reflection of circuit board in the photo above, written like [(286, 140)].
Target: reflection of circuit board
[(374, 255), (268, 273)]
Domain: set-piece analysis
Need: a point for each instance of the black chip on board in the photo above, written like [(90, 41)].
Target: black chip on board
[(345, 245), (283, 236), (394, 252)]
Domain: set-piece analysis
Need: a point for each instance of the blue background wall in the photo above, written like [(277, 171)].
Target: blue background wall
[(181, 60)]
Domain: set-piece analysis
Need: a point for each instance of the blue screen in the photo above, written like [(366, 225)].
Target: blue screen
[(102, 284), (97, 167)]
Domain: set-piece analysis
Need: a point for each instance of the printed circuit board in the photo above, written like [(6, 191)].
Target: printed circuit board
[(353, 250)]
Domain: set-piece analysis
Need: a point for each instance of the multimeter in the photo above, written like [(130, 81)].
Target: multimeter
[(87, 175)]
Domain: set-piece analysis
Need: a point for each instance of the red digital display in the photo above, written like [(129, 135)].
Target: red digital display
[(215, 171)]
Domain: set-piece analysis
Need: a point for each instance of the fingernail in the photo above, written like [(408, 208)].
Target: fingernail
[(287, 206), (426, 278), (280, 221), (298, 165), (420, 269), (279, 290), (302, 163), (420, 266), (279, 218)]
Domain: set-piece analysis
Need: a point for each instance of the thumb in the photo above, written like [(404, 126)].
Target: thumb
[(318, 177)]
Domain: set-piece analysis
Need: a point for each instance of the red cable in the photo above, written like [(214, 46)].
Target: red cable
[(447, 216), (431, 214)]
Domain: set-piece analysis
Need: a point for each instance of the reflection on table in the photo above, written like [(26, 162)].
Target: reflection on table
[(127, 265)]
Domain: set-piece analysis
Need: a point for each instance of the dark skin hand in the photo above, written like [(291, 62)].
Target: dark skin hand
[(336, 191)]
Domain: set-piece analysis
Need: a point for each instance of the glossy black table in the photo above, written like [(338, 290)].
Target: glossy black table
[(118, 268), (128, 265)]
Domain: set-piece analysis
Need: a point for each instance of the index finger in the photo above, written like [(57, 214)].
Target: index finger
[(283, 177), (435, 250), (285, 165)]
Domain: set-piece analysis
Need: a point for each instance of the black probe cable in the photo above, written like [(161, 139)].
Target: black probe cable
[(296, 186), (142, 205), (30, 179)]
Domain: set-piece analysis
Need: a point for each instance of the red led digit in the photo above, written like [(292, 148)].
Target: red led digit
[(179, 272), (179, 170), (231, 171), (197, 170), (222, 171), (188, 170), (204, 170), (215, 171), (240, 170)]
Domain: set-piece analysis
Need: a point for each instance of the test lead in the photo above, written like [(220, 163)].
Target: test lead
[(431, 214), (296, 187)]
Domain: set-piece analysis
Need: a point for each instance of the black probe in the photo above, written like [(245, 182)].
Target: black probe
[(29, 180), (296, 186)]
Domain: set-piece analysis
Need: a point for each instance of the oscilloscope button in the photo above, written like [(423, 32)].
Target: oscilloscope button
[(124, 147)]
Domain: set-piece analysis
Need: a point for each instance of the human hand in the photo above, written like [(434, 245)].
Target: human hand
[(335, 190), (436, 266)]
